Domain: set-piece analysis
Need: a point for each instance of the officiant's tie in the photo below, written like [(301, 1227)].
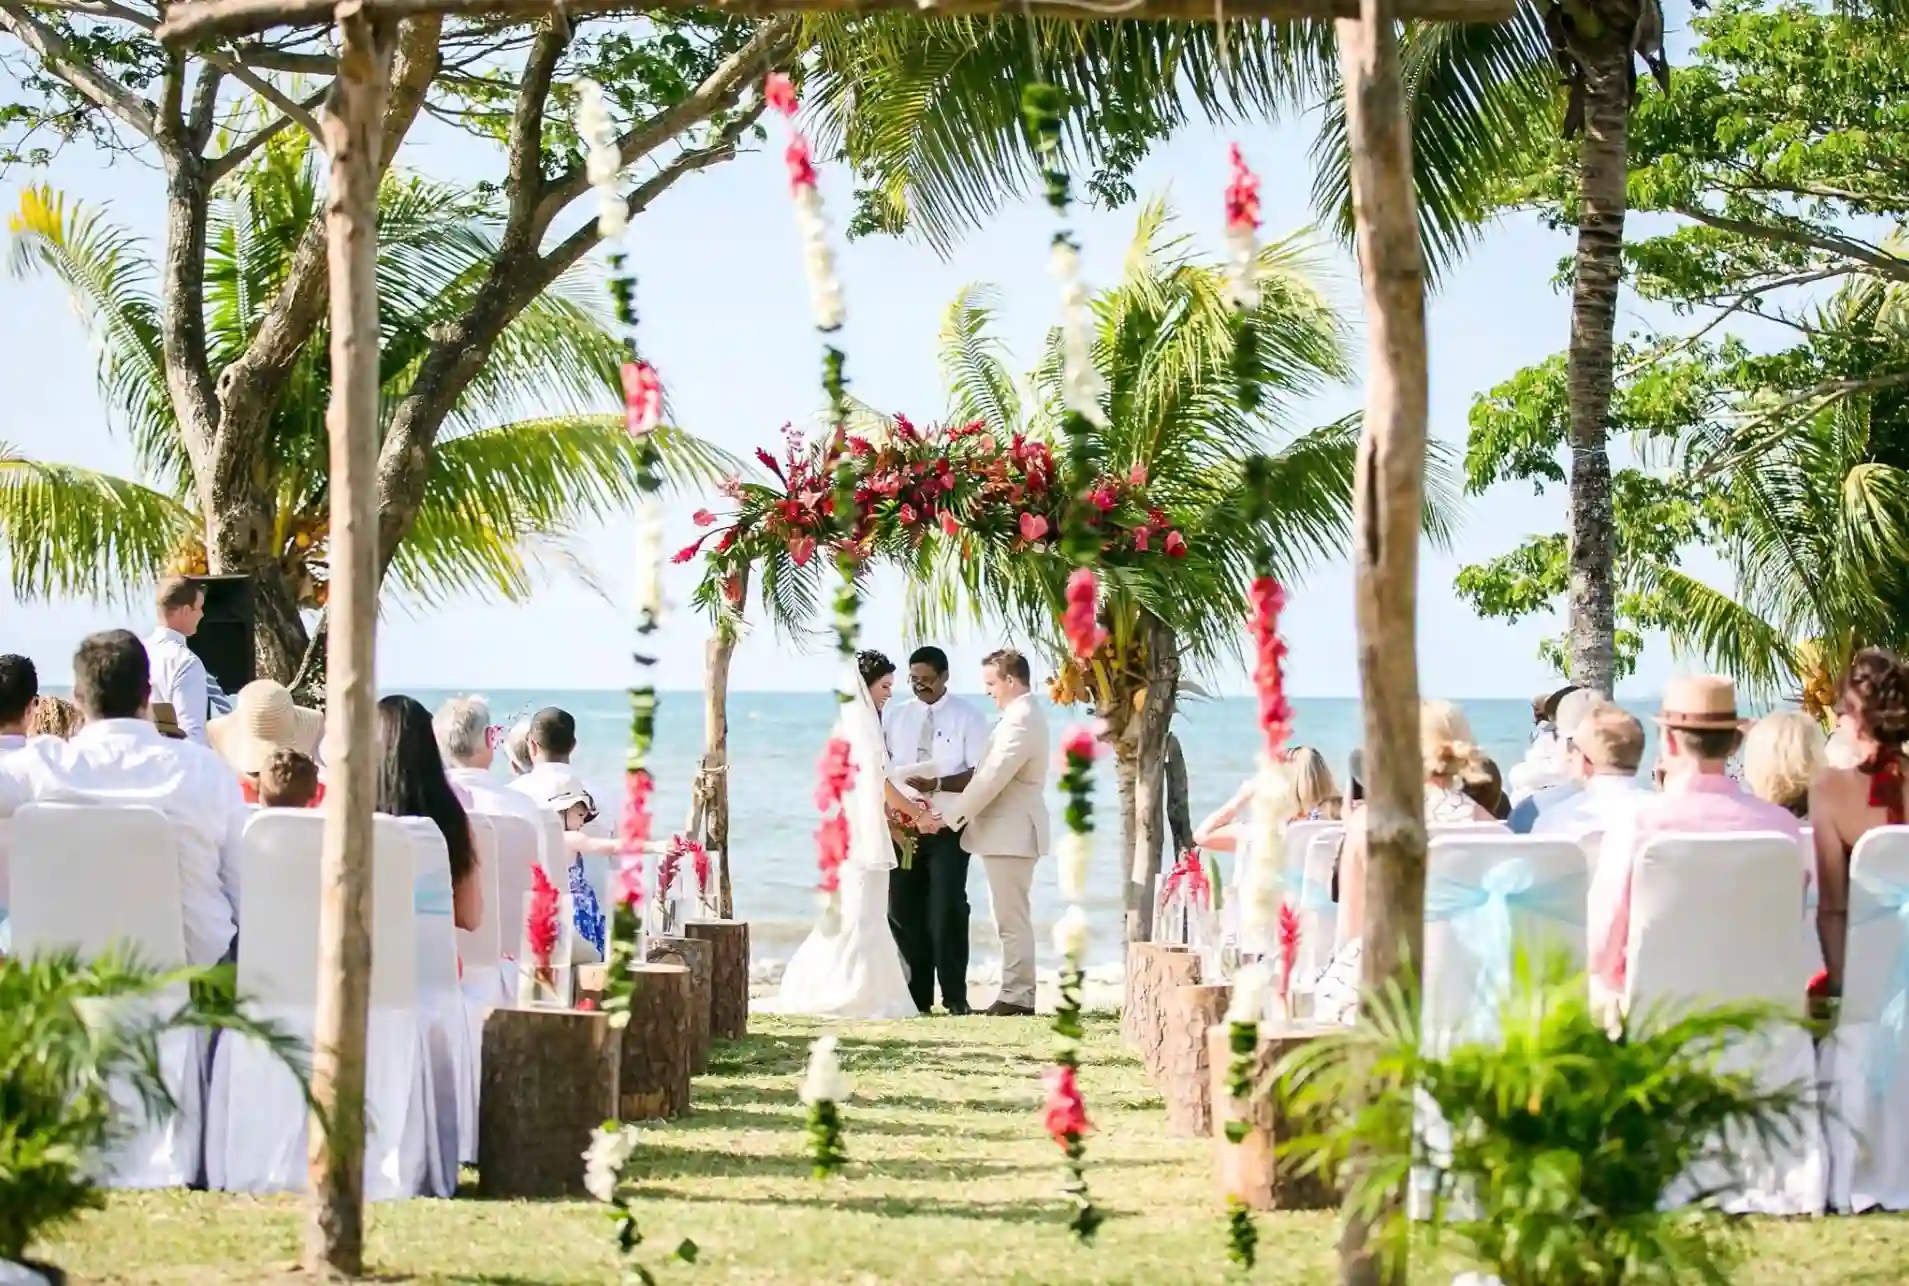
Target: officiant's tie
[(926, 750)]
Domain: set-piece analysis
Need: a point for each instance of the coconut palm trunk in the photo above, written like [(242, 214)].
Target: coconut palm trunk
[(1602, 45), (711, 791), (1152, 730)]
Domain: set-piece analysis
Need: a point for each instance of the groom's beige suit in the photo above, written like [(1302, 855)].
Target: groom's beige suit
[(1002, 817)]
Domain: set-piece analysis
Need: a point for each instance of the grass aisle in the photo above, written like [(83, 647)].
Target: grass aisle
[(951, 1180)]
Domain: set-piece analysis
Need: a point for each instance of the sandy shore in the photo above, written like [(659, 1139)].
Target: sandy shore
[(1103, 988)]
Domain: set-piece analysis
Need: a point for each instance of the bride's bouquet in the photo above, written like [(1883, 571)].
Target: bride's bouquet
[(902, 829)]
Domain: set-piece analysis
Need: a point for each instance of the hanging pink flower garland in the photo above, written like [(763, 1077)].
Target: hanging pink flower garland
[(1242, 274), (838, 767)]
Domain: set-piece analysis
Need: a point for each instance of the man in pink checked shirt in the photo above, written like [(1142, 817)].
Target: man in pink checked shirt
[(1701, 731)]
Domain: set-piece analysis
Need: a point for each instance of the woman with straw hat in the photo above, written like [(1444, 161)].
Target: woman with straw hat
[(264, 719)]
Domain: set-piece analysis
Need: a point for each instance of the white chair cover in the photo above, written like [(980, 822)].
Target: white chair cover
[(481, 952), (1713, 920), (257, 1121), (440, 997), (6, 848), (1318, 913), (87, 877), (517, 847), (1863, 1062)]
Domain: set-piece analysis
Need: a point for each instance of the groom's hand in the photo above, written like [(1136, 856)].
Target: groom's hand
[(925, 784)]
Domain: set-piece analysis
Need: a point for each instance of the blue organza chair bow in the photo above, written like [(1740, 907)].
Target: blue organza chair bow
[(1482, 914), (431, 894), (1874, 899)]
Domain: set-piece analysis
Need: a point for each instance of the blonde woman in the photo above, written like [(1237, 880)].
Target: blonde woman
[(1315, 793), (1451, 759), (1781, 757), (54, 717)]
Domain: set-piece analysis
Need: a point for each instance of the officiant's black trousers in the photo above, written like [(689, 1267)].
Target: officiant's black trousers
[(928, 914)]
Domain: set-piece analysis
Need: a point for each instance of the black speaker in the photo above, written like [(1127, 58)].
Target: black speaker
[(224, 637)]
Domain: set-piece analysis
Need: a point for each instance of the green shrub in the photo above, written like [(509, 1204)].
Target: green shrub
[(72, 1032), (1564, 1136)]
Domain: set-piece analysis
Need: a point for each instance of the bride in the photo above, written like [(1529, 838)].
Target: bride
[(856, 972)]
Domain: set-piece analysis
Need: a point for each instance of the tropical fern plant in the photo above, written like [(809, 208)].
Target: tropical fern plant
[(1563, 1136), (77, 1039), (533, 449)]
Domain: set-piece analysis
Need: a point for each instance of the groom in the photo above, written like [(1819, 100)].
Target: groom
[(1002, 816), (928, 903)]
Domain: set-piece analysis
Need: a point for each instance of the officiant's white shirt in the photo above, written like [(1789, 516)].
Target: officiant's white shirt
[(961, 733)]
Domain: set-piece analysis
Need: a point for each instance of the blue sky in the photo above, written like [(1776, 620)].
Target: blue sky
[(725, 317)]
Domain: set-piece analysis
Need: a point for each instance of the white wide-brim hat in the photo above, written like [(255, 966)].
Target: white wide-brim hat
[(264, 718)]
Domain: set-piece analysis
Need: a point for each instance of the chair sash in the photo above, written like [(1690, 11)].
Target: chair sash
[(1874, 899), (1482, 912)]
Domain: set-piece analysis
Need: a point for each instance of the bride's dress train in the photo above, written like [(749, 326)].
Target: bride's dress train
[(855, 972)]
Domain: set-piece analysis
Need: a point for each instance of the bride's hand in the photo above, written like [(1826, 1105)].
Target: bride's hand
[(927, 821)]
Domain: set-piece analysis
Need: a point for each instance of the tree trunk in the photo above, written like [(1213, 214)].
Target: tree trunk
[(1126, 779), (1252, 1171), (549, 1080), (658, 1044), (1179, 816), (1156, 721), (712, 775), (1387, 494), (1187, 1085), (334, 1237), (1603, 49), (728, 975)]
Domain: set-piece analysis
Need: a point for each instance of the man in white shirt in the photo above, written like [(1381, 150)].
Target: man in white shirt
[(1606, 748), (928, 902), (19, 693), (119, 757), (553, 739), (1565, 781), (178, 675)]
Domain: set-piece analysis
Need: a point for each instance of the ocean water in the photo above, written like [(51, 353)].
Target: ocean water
[(775, 740)]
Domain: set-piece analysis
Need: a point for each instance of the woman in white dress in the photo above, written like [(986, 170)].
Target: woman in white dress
[(1451, 758), (856, 971)]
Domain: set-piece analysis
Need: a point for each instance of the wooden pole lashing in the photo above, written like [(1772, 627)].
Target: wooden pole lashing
[(334, 1235)]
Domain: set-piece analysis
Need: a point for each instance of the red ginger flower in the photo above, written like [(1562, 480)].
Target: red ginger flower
[(1078, 619), (703, 518), (540, 921), (1275, 713), (1066, 1115), (1080, 743), (1176, 545), (1033, 527), (1289, 931), (633, 833), (778, 91), (1242, 194)]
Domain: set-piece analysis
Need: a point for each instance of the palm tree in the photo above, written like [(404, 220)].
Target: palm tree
[(1163, 347), (504, 495)]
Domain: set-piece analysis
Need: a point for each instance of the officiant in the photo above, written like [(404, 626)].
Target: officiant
[(934, 742)]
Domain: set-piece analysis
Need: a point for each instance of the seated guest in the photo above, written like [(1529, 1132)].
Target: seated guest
[(1567, 778), (119, 757), (467, 739), (289, 780), (574, 808), (178, 675), (1872, 715), (1316, 798), (53, 717), (517, 748), (1700, 731), (19, 694), (1543, 764), (1445, 744), (264, 720), (1607, 748), (1782, 754), (411, 783), (1487, 789), (551, 742)]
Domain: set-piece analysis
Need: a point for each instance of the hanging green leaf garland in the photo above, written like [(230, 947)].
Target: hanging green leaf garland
[(838, 767)]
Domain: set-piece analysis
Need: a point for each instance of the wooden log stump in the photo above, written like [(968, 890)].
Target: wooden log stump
[(696, 956), (1143, 967), (1188, 1084), (657, 1044), (549, 1079), (1170, 970), (1250, 1169), (728, 974)]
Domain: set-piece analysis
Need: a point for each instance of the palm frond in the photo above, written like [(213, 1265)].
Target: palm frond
[(76, 532)]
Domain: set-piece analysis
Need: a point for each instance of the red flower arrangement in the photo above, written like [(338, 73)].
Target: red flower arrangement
[(1189, 873), (1289, 934), (540, 921), (831, 837), (633, 836), (642, 399)]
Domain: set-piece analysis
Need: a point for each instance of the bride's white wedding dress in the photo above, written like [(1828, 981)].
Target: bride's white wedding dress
[(856, 972)]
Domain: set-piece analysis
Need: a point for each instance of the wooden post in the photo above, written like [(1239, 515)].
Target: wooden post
[(550, 1078), (729, 974), (1147, 966), (654, 1076), (698, 957), (334, 1234), (1388, 495), (1172, 970), (1187, 1083), (1251, 1169)]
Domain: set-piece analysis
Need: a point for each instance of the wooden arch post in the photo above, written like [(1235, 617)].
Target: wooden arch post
[(1388, 487)]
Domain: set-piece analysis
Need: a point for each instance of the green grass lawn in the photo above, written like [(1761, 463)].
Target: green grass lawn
[(951, 1180)]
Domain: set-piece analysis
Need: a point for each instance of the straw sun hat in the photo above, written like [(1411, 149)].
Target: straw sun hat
[(264, 719), (1700, 703)]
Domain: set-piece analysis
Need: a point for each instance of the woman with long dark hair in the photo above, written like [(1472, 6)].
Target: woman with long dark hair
[(411, 783)]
